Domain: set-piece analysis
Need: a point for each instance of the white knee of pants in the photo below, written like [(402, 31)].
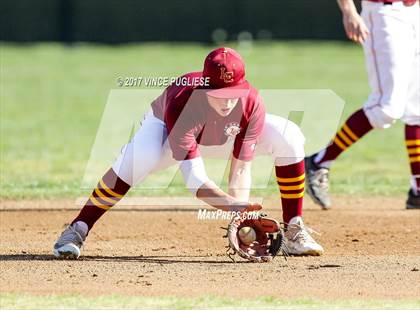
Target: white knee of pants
[(143, 153), (283, 140), (378, 118)]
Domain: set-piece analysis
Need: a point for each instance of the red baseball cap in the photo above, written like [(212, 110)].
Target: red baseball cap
[(226, 72)]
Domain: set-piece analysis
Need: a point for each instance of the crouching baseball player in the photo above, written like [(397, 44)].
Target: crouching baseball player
[(190, 122)]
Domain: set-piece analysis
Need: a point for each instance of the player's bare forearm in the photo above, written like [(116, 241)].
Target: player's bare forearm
[(347, 7), (215, 197), (353, 23), (240, 179)]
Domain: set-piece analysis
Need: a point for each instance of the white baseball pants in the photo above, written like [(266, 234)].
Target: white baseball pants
[(392, 60), (149, 150)]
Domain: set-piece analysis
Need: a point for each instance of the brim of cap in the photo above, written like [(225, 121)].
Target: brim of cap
[(237, 91)]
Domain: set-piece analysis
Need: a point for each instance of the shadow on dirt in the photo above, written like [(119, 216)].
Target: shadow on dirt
[(187, 259)]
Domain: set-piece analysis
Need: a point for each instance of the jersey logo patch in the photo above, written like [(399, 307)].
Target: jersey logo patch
[(232, 129)]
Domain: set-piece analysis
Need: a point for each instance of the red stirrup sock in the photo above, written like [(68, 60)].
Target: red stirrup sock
[(108, 192), (356, 126), (412, 141), (291, 181)]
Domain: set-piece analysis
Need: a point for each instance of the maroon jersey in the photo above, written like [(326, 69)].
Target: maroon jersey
[(191, 121)]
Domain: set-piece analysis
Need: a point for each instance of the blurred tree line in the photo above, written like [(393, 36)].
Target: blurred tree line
[(121, 21)]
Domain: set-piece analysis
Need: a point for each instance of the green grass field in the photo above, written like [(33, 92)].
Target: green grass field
[(53, 97), (13, 301)]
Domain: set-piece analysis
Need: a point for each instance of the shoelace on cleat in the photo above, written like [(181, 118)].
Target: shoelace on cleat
[(71, 235), (303, 233)]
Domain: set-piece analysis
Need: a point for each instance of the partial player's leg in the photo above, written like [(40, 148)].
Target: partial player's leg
[(284, 141), (137, 159), (318, 165), (412, 141), (389, 54), (108, 192), (412, 119)]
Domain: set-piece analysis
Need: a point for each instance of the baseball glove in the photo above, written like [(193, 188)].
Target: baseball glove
[(268, 242)]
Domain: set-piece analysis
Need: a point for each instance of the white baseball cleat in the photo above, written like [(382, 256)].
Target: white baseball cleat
[(70, 241), (298, 241)]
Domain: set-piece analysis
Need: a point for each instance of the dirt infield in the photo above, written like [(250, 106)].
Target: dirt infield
[(372, 251)]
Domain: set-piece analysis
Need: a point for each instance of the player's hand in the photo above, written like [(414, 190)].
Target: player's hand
[(248, 207), (355, 27), (253, 206)]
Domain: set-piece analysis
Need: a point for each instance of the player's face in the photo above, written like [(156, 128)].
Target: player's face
[(223, 106)]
